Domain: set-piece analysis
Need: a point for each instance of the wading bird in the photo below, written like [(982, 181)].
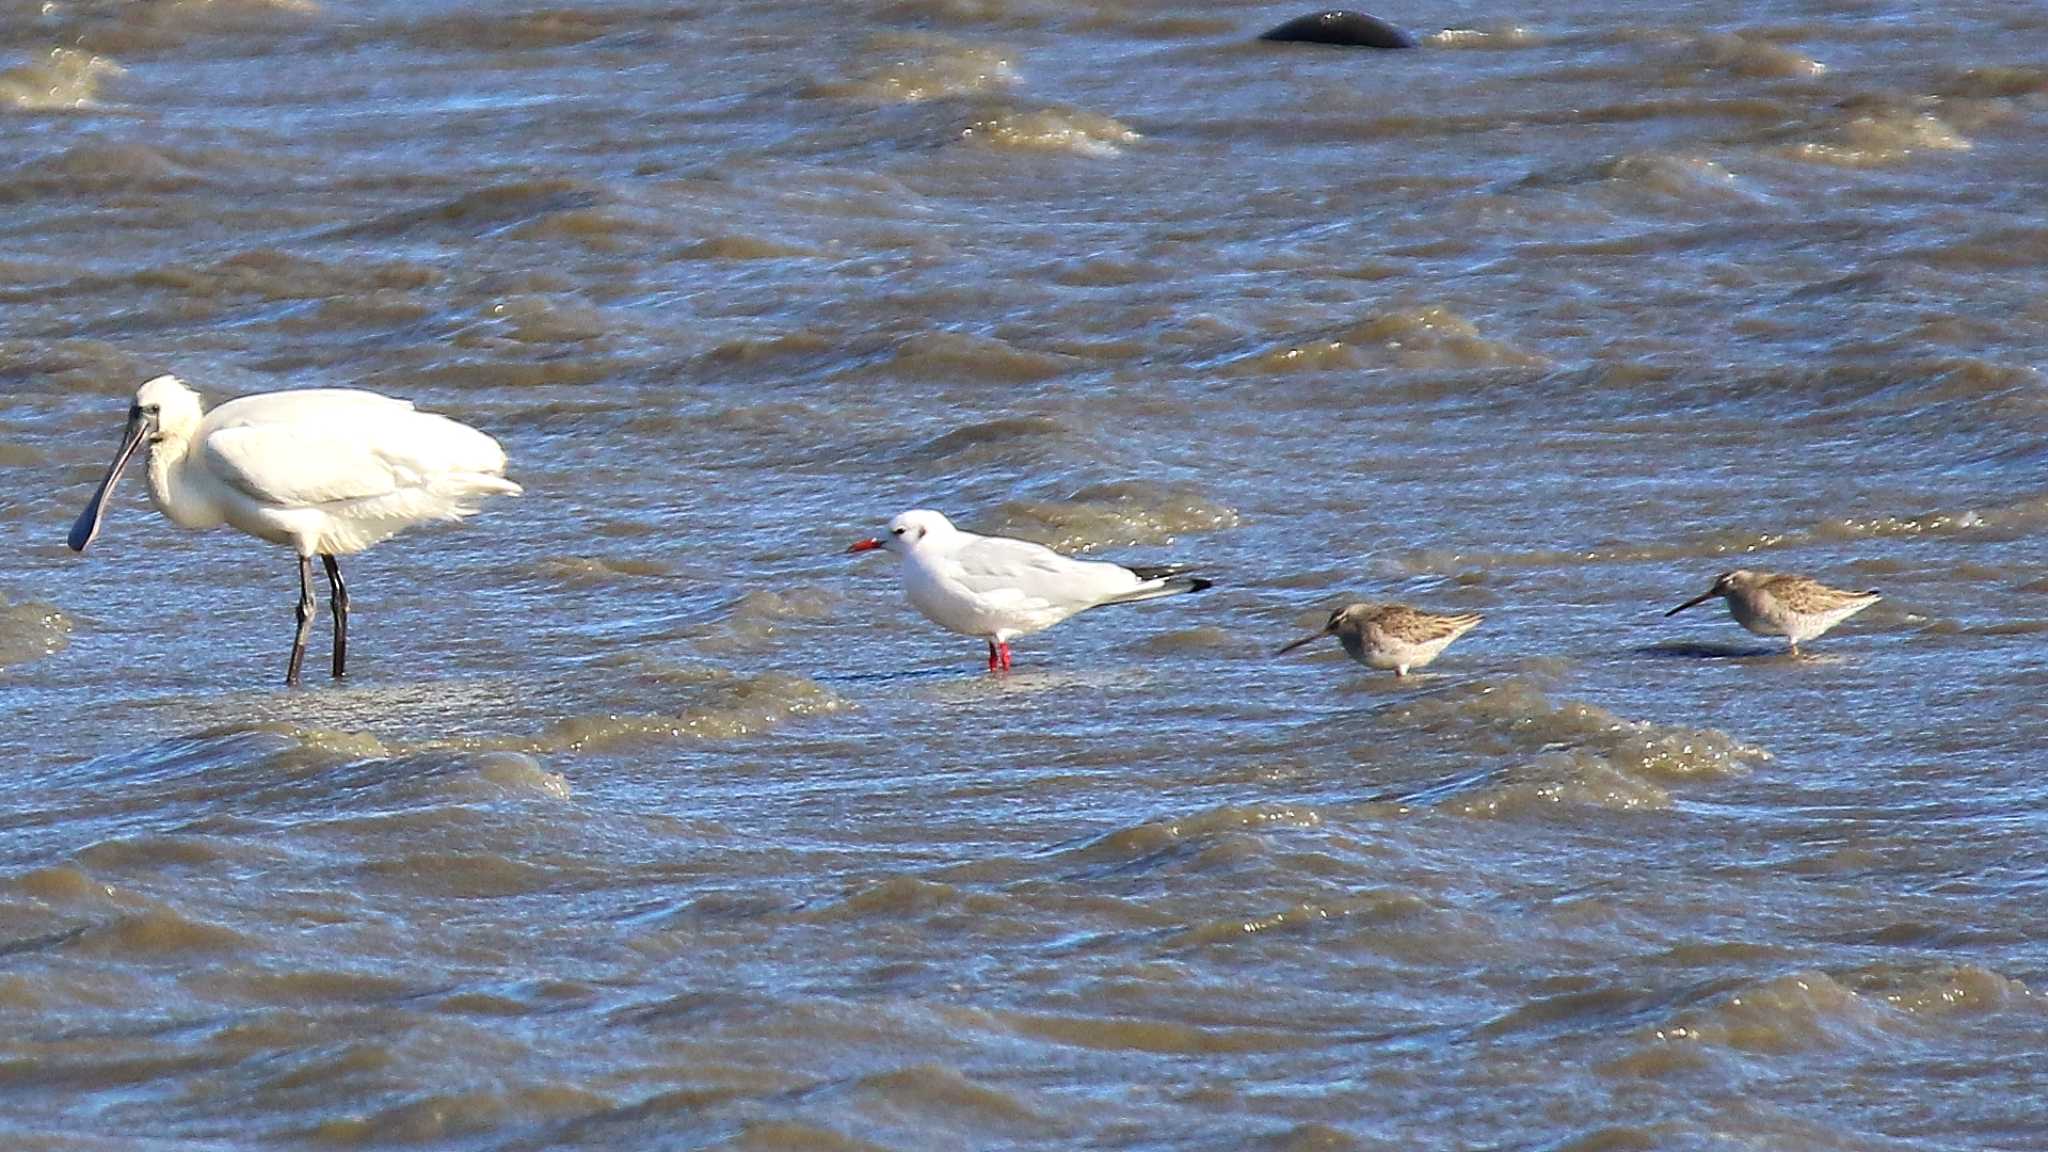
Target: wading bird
[(1392, 636), (999, 589), (327, 471), (1775, 604)]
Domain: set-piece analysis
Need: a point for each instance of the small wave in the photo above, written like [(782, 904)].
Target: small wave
[(761, 615), (966, 12), (1207, 639), (514, 774), (63, 78), (1103, 515), (1433, 336), (776, 349), (542, 320), (514, 31), (151, 28), (1996, 82), (1154, 844), (269, 274), (1677, 176), (1872, 134), (1370, 908), (897, 897), (98, 166), (1503, 36), (948, 356), (1136, 1034), (439, 1117), (1109, 272), (1569, 754), (30, 631), (159, 931), (1811, 1010), (2025, 514), (466, 874), (1004, 437), (737, 247), (151, 852), (1940, 990), (309, 744), (1746, 56), (731, 706), (2020, 515), (1167, 26), (492, 373), (609, 229), (789, 602), (914, 69), (1052, 130), (1416, 338), (942, 1094), (317, 986), (60, 884), (484, 211), (1577, 779)]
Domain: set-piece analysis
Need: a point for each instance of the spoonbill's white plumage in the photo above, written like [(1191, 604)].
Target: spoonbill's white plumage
[(326, 471), (999, 589)]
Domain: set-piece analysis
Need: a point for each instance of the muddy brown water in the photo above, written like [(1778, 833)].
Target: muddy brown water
[(649, 820)]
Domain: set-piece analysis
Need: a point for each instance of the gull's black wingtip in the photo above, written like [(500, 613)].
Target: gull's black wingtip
[(1174, 574)]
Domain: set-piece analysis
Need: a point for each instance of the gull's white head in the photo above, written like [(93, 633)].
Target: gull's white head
[(908, 532), (164, 410)]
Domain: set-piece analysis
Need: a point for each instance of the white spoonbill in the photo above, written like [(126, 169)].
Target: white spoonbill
[(999, 589), (328, 471)]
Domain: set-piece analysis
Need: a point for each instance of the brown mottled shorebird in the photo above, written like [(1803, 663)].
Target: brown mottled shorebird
[(1780, 604), (1391, 635)]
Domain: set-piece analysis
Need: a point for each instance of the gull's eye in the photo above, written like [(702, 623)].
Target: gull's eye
[(896, 531)]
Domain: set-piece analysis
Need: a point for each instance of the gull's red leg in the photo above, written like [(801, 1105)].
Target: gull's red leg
[(1005, 650)]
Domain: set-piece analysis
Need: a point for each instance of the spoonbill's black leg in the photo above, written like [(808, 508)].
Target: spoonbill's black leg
[(338, 600), (305, 617)]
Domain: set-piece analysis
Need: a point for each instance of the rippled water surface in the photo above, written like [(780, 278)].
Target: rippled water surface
[(649, 819)]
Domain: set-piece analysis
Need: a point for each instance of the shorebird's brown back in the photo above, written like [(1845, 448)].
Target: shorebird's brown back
[(1413, 626), (1806, 595)]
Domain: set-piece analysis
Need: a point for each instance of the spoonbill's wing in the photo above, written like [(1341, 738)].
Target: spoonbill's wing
[(325, 446)]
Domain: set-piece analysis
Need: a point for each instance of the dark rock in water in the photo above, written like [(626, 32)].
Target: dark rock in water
[(1350, 29)]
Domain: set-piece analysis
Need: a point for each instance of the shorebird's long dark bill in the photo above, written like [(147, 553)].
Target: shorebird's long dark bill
[(867, 545), (1309, 639), (140, 428), (1702, 598)]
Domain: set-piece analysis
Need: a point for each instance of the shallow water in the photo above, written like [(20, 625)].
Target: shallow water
[(649, 819)]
